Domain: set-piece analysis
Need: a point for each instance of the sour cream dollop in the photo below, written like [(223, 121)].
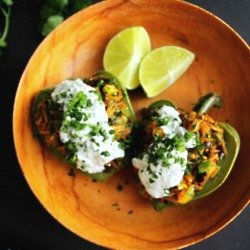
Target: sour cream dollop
[(85, 129), (163, 165)]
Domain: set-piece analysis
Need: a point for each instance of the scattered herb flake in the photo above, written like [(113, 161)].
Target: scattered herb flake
[(71, 173), (119, 187), (151, 180), (105, 153), (130, 212)]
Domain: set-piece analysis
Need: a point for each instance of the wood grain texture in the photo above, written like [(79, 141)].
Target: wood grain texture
[(75, 49)]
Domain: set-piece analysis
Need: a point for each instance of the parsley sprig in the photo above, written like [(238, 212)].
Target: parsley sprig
[(54, 12), (5, 10)]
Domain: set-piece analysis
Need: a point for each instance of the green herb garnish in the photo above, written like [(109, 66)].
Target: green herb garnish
[(119, 187), (5, 9), (105, 153), (54, 12)]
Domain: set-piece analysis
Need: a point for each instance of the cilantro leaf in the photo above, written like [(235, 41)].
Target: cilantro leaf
[(46, 11), (7, 2), (57, 4), (5, 10), (53, 12), (51, 23), (77, 5), (2, 43)]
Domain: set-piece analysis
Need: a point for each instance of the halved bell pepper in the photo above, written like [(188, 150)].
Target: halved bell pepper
[(232, 142), (47, 119)]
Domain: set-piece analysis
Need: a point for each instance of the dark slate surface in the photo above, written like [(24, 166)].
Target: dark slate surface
[(24, 223)]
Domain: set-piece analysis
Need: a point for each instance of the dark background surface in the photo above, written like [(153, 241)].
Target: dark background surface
[(24, 223)]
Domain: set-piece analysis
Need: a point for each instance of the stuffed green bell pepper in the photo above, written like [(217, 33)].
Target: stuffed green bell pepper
[(184, 155), (87, 123)]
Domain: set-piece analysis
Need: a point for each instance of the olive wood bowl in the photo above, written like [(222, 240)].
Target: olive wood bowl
[(101, 212)]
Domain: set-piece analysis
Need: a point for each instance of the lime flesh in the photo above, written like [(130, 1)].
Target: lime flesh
[(162, 67), (124, 54)]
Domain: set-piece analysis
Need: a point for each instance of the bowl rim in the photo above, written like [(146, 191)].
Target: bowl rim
[(186, 241)]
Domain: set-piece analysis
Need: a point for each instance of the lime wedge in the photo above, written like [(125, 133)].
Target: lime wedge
[(124, 53), (162, 67)]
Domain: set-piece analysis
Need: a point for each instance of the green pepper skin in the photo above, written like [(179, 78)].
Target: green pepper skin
[(41, 96), (232, 141), (102, 74), (161, 103), (208, 101), (46, 94)]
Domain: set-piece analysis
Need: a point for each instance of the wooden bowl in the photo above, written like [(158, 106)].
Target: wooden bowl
[(99, 212)]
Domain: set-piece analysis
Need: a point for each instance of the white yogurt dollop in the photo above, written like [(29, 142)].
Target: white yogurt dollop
[(163, 165), (85, 126)]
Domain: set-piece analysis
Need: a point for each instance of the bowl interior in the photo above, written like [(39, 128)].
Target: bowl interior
[(99, 212)]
